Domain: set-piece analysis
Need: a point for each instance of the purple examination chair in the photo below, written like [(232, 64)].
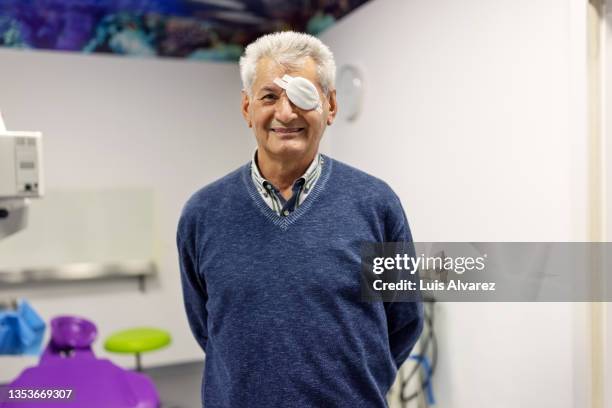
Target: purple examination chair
[(69, 364)]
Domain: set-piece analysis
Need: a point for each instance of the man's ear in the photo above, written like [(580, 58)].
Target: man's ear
[(246, 104), (333, 107)]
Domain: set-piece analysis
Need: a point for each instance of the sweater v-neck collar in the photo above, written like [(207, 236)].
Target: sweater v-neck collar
[(283, 222)]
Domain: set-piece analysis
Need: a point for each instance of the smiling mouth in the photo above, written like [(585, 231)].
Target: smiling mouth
[(285, 131)]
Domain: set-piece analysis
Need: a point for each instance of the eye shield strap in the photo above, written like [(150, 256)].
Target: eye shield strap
[(301, 92)]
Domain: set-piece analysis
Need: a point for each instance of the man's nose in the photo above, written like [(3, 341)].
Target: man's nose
[(285, 110)]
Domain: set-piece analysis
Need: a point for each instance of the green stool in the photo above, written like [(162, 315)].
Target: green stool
[(136, 341)]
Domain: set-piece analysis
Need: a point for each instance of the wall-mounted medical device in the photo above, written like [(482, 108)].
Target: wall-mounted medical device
[(21, 164), (21, 176)]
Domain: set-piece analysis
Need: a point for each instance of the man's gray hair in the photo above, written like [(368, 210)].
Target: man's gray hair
[(288, 48)]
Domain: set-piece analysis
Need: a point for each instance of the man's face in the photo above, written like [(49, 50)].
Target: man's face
[(284, 131)]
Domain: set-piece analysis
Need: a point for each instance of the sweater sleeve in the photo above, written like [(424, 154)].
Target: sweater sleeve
[(404, 319), (194, 289)]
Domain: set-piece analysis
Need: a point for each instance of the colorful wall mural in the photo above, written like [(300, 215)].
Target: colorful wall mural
[(198, 29)]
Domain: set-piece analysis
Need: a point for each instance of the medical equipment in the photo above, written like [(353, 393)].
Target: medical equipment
[(70, 375), (416, 379), (301, 92), (21, 177), (21, 328), (136, 341)]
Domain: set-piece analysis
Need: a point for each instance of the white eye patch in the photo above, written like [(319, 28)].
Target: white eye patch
[(301, 92)]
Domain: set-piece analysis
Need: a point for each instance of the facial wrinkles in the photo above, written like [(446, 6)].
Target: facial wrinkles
[(281, 98)]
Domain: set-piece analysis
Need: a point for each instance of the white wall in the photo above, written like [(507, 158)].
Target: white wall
[(166, 125), (474, 112)]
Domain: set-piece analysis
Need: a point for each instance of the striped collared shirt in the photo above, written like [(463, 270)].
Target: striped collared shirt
[(301, 187)]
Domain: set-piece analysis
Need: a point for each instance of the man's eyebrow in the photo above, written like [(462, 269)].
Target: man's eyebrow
[(268, 89)]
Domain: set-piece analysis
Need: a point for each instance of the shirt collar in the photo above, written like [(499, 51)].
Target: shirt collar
[(311, 172)]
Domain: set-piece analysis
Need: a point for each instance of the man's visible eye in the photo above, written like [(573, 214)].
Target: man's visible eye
[(268, 97)]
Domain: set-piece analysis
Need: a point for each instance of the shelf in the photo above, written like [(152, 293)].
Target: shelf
[(78, 272)]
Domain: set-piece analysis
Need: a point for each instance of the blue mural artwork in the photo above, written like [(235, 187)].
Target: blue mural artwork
[(198, 29)]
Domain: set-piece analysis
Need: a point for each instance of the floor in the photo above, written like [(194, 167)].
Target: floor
[(178, 385)]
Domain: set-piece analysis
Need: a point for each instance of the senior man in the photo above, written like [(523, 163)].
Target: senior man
[(270, 253)]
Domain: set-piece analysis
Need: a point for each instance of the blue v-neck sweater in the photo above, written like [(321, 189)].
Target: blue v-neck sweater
[(274, 301)]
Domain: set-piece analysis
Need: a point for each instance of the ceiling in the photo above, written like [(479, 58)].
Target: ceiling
[(197, 29)]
